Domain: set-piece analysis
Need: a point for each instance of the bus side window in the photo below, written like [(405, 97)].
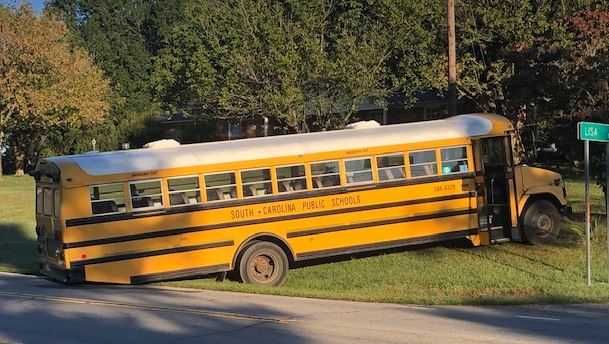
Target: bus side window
[(256, 182), (325, 174), (358, 170), (391, 167), (146, 194), (220, 186), (423, 163), (107, 199), (184, 191), (454, 160), (39, 200), (291, 178), (47, 204)]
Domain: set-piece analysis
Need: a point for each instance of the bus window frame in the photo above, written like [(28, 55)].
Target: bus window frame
[(340, 173), (436, 153), (242, 184), (305, 177), (162, 194), (178, 191), (371, 170), (237, 177), (466, 159), (404, 169), (122, 184)]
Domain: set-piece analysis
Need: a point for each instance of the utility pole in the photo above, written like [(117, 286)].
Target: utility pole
[(452, 59)]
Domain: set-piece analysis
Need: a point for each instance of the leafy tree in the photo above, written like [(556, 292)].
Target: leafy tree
[(291, 59), (122, 37), (46, 83)]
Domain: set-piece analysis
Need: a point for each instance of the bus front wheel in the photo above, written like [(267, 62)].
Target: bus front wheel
[(263, 263), (541, 222)]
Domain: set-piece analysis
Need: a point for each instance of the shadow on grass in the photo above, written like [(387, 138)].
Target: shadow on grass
[(17, 251)]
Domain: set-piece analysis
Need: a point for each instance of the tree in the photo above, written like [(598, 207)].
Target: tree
[(46, 83), (122, 37), (293, 59)]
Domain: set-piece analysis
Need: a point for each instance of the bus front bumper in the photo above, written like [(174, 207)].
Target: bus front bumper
[(566, 210), (70, 276)]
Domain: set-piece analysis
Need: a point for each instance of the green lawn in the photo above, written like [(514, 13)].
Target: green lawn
[(17, 223), (450, 273)]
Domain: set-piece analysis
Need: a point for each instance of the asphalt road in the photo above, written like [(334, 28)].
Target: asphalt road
[(34, 310)]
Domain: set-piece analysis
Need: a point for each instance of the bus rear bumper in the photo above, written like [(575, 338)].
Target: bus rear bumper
[(69, 276)]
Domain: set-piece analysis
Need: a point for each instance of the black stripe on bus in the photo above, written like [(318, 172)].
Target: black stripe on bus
[(390, 221), (259, 200), (163, 233), (386, 244), (152, 253), (164, 276)]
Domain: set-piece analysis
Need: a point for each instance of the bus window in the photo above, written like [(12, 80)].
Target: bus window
[(57, 203), (183, 191), (39, 200), (291, 178), (146, 194), (220, 186), (325, 174), (391, 167), (107, 199), (47, 204), (454, 160), (358, 171), (423, 163), (256, 182)]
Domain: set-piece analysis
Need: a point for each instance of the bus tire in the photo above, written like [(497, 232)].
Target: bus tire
[(541, 222), (263, 263)]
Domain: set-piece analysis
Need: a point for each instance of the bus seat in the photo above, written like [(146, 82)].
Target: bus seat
[(222, 195), (299, 185), (108, 206), (319, 183), (177, 198), (428, 170), (287, 186), (388, 174)]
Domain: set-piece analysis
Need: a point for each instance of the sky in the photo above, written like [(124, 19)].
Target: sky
[(37, 5)]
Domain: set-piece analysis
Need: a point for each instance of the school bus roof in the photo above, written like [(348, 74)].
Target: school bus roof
[(142, 160)]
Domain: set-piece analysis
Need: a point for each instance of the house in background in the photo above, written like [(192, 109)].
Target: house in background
[(190, 127)]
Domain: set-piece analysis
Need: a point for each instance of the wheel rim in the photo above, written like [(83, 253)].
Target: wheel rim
[(543, 225), (262, 268)]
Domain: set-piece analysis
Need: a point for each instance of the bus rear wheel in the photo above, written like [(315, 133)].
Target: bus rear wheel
[(263, 263), (541, 222)]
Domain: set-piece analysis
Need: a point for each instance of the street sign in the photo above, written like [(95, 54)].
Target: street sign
[(596, 132), (589, 131)]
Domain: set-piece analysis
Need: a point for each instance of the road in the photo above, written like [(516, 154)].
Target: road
[(34, 310)]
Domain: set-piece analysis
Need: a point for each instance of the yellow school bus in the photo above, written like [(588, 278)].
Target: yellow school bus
[(257, 206)]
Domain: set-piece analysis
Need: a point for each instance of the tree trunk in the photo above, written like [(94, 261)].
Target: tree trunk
[(19, 162), (1, 145)]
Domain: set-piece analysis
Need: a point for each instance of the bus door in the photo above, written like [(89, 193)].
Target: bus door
[(497, 171)]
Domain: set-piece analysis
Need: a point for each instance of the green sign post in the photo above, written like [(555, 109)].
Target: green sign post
[(596, 132)]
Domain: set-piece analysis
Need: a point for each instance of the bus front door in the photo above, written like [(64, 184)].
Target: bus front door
[(497, 171)]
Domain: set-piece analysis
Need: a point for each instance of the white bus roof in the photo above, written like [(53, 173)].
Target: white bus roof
[(143, 160)]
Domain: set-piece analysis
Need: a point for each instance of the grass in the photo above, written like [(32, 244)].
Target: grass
[(17, 225), (449, 273)]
